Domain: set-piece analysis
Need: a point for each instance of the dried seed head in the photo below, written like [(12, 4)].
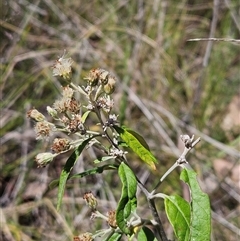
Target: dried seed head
[(43, 129), (93, 77), (73, 106), (60, 145), (112, 219), (83, 237)]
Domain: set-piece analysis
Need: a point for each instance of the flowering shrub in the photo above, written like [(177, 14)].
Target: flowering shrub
[(190, 221)]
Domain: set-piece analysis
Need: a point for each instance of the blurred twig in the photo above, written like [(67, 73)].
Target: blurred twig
[(216, 40)]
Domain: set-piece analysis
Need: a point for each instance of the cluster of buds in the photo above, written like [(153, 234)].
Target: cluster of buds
[(110, 218), (103, 78), (117, 152), (43, 130)]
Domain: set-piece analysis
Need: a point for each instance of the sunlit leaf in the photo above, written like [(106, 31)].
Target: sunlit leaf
[(200, 226), (138, 145), (114, 237), (179, 214), (84, 116)]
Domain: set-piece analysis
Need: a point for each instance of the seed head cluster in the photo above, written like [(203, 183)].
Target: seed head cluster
[(68, 126)]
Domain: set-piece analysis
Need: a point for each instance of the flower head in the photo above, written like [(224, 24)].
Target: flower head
[(60, 145), (83, 237), (62, 67), (67, 102), (67, 92), (43, 129), (105, 103), (112, 219)]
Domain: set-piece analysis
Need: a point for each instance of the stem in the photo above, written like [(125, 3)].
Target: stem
[(160, 233), (180, 161), (78, 88), (105, 131)]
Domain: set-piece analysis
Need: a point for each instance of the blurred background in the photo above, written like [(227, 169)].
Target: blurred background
[(167, 86)]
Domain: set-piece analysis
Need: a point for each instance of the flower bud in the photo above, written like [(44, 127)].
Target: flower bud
[(35, 115), (103, 76), (90, 200), (52, 112), (44, 158), (43, 129), (110, 86)]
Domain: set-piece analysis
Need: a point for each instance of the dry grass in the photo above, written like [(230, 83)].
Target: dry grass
[(167, 86)]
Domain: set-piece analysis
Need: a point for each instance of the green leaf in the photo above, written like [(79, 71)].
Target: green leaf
[(146, 234), (138, 137), (179, 214), (128, 200), (94, 171), (103, 159), (137, 144), (200, 226), (67, 169), (84, 116), (114, 237)]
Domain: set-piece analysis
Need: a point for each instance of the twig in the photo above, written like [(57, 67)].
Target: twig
[(189, 144), (215, 39)]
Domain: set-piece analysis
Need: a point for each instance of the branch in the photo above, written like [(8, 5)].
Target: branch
[(181, 161)]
